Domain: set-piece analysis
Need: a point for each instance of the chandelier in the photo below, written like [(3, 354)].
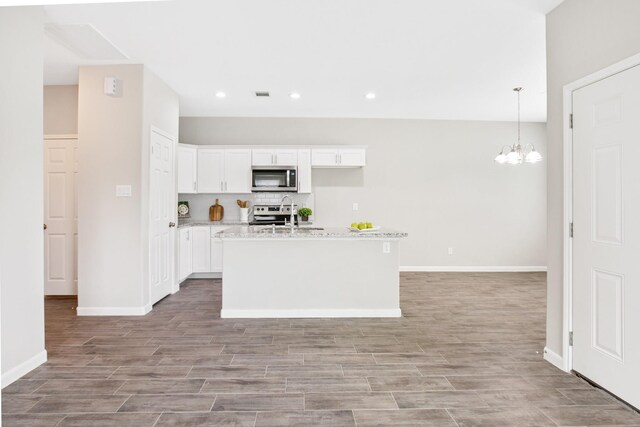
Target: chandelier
[(517, 153)]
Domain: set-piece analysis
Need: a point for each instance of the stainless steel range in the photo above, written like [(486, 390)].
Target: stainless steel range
[(273, 215)]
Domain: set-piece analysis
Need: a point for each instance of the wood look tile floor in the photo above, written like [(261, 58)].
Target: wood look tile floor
[(468, 352)]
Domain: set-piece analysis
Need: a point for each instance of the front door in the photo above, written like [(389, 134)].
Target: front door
[(163, 211), (606, 243), (60, 216)]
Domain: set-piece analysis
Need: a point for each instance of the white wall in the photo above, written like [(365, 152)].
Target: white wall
[(113, 231), (583, 36), (61, 110), (21, 191), (110, 258), (434, 179)]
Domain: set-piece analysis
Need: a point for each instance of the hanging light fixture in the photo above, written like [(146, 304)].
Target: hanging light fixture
[(516, 154)]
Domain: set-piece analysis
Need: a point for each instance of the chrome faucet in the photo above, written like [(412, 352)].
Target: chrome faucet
[(292, 218)]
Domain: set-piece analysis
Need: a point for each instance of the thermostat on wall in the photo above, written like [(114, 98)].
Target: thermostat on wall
[(111, 86)]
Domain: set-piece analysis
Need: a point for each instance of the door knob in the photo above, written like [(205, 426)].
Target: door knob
[(45, 226), (172, 224)]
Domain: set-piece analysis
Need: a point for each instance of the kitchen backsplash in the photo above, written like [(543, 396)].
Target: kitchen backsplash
[(199, 203)]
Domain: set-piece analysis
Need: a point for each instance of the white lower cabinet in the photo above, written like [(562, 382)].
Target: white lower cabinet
[(185, 253), (216, 250), (201, 249)]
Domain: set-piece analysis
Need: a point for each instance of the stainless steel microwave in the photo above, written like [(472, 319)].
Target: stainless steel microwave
[(274, 178)]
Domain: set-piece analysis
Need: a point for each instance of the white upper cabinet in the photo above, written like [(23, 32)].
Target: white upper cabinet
[(237, 168), (274, 157), (211, 170), (304, 171), (219, 169), (286, 157), (352, 157), (224, 170), (338, 157), (187, 168)]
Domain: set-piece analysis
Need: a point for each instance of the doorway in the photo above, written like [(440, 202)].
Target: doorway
[(162, 207), (603, 286), (60, 215)]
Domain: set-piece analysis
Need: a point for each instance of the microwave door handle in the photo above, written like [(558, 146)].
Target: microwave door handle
[(288, 178)]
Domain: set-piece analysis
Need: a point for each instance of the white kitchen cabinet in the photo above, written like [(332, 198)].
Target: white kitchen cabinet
[(304, 171), (187, 168), (185, 253), (211, 162), (274, 157), (237, 171), (201, 258), (224, 170), (338, 157), (216, 250)]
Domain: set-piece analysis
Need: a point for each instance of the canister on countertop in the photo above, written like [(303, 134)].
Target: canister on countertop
[(216, 212)]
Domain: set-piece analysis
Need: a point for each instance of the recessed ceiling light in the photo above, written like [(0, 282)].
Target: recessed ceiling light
[(221, 95), (294, 95), (370, 95)]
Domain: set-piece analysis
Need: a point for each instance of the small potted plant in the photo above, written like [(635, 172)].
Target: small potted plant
[(304, 214)]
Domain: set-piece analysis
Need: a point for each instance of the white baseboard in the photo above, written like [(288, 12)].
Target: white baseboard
[(295, 313), (205, 276), (113, 311), (554, 358), (56, 290), (23, 368), (473, 268)]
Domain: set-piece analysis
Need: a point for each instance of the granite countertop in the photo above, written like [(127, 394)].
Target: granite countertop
[(262, 232), (189, 222)]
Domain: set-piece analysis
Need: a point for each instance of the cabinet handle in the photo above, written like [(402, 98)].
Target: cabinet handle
[(337, 161), (225, 186), (172, 224), (44, 227), (274, 158), (340, 158), (221, 185), (194, 186)]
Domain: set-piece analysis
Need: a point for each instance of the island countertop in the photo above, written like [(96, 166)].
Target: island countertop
[(262, 232)]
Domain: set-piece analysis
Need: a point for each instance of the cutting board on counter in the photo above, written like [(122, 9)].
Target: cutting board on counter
[(216, 212)]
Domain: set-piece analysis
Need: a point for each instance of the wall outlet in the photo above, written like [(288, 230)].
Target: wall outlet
[(450, 251), (355, 206), (386, 247)]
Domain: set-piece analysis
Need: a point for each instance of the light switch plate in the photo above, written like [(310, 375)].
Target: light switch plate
[(386, 247), (123, 191), (355, 206)]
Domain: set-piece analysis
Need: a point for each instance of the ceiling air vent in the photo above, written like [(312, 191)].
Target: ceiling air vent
[(262, 94)]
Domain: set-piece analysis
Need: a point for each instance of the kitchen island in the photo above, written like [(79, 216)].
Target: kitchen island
[(307, 272)]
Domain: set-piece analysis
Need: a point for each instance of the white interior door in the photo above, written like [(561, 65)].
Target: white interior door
[(606, 243), (162, 209), (60, 216)]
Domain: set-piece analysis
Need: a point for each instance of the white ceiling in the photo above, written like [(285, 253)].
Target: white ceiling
[(445, 59)]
